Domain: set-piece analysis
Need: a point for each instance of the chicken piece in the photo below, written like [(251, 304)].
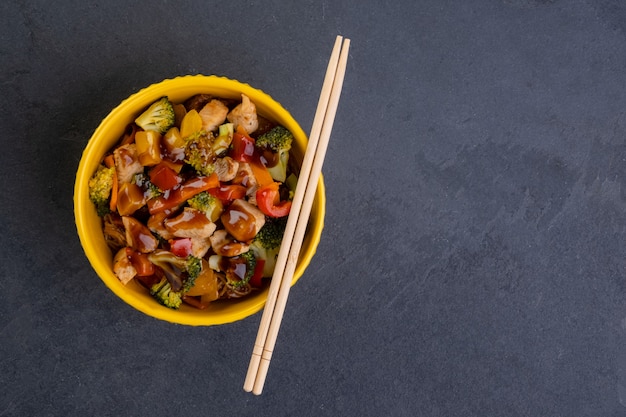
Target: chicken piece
[(139, 236), (213, 114), (251, 194), (226, 168), (242, 220), (244, 114), (122, 267), (156, 225), (245, 176), (190, 223), (200, 246), (126, 162), (225, 245)]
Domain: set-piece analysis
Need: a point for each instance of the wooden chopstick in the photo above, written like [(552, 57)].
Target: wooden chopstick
[(298, 218), (296, 205)]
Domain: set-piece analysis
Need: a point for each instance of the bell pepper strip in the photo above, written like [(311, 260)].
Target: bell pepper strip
[(257, 277), (148, 147), (197, 185), (173, 145), (130, 198), (109, 161), (243, 150), (191, 123), (228, 192), (164, 177), (261, 174), (174, 166), (242, 146), (182, 193), (204, 289), (180, 247), (268, 201), (205, 284), (161, 204), (140, 262)]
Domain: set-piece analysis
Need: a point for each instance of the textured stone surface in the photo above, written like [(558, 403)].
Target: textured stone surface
[(472, 262)]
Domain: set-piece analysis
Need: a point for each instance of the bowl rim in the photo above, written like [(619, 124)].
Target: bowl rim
[(92, 153)]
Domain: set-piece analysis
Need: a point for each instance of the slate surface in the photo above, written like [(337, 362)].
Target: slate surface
[(472, 262)]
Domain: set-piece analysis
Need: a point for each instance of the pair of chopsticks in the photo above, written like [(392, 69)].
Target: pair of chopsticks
[(298, 218)]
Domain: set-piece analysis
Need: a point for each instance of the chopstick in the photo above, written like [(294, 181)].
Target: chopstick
[(298, 218)]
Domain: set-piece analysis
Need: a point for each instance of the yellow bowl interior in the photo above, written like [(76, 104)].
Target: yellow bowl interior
[(88, 223)]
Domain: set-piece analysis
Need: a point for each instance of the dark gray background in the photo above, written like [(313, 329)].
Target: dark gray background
[(472, 262)]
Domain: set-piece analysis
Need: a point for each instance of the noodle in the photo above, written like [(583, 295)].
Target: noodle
[(114, 233), (227, 291)]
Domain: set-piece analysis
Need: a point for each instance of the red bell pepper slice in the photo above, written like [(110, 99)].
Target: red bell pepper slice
[(244, 150), (164, 177), (228, 192), (140, 262), (242, 146), (257, 278), (268, 201), (182, 193), (180, 247)]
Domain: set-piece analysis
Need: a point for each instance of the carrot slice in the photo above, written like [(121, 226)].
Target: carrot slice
[(110, 162), (262, 175)]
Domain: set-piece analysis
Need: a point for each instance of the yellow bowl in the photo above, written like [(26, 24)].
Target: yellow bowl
[(88, 223)]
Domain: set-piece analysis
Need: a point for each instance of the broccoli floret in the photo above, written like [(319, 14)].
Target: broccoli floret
[(159, 116), (100, 186), (208, 204), (278, 140), (271, 234), (194, 267), (149, 189), (266, 243), (234, 277), (199, 152), (162, 292), (202, 148), (180, 273), (238, 269)]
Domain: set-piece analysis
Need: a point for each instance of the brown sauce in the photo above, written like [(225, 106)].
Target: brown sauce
[(239, 222)]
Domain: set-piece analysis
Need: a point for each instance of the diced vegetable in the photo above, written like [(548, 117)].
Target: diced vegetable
[(183, 193), (228, 192), (148, 147), (268, 200), (164, 177), (192, 123), (130, 198)]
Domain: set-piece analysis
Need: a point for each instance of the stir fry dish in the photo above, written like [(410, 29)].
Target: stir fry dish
[(194, 199)]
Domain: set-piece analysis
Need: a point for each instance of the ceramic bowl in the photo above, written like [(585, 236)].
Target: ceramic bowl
[(88, 223)]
